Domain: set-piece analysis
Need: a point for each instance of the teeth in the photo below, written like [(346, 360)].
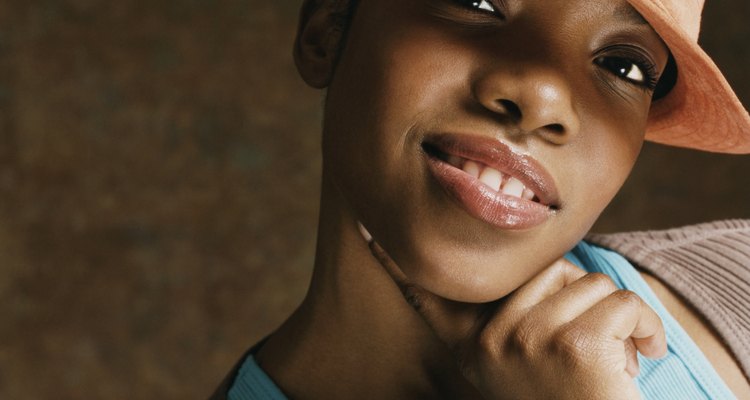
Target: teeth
[(472, 168), (492, 178), (513, 187)]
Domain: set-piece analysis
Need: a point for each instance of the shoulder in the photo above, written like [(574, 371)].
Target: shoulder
[(701, 273), (700, 262), (712, 236)]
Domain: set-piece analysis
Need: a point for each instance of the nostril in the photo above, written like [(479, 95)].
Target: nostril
[(511, 109), (555, 128)]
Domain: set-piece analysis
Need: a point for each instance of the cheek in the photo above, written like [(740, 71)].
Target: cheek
[(385, 92), (604, 163), (389, 79)]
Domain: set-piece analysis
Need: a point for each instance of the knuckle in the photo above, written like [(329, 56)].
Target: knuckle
[(489, 343), (524, 340), (568, 267), (564, 267), (601, 281), (627, 298)]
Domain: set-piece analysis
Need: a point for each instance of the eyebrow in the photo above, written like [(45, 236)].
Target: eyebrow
[(628, 13)]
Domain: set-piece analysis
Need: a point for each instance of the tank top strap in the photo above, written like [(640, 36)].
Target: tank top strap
[(684, 373)]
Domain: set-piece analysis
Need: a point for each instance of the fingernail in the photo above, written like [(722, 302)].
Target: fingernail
[(362, 231)]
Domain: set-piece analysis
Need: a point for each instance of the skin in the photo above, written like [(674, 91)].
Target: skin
[(405, 69), (429, 69)]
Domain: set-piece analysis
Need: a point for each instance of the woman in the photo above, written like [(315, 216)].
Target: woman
[(477, 142)]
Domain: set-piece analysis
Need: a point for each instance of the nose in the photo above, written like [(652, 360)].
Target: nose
[(536, 100)]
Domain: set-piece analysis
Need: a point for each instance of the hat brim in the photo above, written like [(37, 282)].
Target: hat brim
[(701, 111)]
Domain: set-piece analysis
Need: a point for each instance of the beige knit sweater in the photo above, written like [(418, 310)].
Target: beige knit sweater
[(708, 265)]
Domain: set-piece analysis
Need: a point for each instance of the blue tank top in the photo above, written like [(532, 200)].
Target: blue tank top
[(684, 373)]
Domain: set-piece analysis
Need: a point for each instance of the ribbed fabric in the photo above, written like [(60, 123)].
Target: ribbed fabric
[(684, 373), (252, 383), (708, 265)]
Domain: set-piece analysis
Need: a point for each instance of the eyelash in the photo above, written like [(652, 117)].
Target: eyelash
[(631, 56)]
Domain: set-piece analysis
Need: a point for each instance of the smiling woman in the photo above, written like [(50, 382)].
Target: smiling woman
[(478, 142), (440, 72)]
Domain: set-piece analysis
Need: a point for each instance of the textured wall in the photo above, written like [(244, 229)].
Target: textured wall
[(158, 188)]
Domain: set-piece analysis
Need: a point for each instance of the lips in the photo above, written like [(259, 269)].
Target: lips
[(491, 181)]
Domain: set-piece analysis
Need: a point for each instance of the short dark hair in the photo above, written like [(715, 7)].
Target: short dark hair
[(668, 79)]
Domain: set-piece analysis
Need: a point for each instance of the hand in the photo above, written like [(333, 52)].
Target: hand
[(565, 334)]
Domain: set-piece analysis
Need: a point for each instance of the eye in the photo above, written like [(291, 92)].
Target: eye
[(623, 68), (483, 5), (638, 72)]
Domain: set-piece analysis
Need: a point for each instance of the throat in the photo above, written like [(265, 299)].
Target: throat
[(354, 335), (389, 354)]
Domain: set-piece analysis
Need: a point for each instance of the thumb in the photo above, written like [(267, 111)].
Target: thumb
[(453, 322)]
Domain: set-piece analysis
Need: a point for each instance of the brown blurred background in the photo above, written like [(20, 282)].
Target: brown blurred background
[(159, 173)]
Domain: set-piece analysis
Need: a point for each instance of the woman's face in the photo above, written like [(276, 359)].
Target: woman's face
[(478, 141)]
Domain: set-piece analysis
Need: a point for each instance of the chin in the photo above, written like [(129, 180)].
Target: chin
[(467, 285), (462, 260), (468, 275)]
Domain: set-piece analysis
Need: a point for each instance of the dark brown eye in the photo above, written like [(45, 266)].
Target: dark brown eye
[(629, 70), (623, 68), (480, 5)]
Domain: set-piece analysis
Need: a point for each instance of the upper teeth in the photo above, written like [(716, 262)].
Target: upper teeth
[(493, 178)]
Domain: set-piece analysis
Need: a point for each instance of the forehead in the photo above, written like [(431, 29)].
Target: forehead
[(626, 12), (552, 24), (619, 11), (597, 16), (581, 11)]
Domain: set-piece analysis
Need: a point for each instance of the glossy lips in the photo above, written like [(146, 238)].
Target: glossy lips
[(491, 181)]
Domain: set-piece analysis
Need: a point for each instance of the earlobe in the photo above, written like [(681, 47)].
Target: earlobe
[(318, 42)]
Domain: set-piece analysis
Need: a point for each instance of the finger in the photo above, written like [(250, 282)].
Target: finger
[(571, 301), (548, 282), (652, 346), (623, 315), (631, 358), (452, 322)]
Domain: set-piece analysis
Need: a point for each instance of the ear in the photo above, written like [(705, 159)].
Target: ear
[(320, 37)]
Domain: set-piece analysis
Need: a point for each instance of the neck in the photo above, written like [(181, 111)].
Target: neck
[(354, 336)]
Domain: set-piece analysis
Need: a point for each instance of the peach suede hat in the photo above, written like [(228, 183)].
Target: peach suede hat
[(702, 111)]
